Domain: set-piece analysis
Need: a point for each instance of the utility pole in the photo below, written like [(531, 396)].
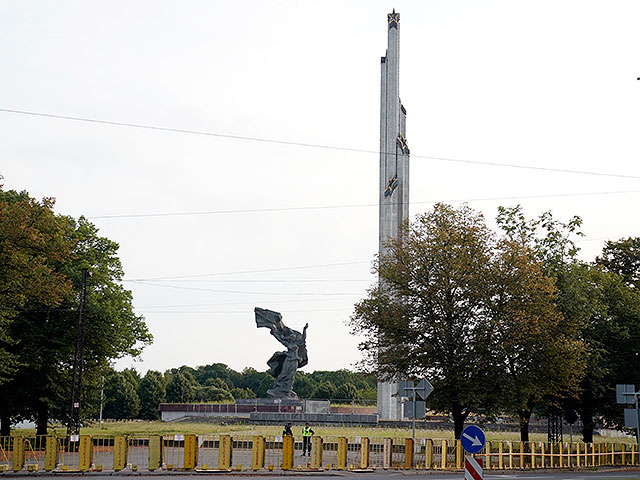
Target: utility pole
[(73, 427), (101, 400)]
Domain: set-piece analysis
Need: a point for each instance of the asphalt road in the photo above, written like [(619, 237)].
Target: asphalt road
[(602, 474)]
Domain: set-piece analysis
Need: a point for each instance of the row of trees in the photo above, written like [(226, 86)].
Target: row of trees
[(42, 256), (128, 395), (504, 322), (500, 322)]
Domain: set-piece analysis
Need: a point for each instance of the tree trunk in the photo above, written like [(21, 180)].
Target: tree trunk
[(586, 416), (524, 417), (42, 417), (459, 416), (5, 426)]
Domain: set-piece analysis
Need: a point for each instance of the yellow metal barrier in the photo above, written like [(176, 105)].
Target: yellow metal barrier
[(137, 458), (287, 452), (533, 454), (341, 460), (6, 453), (257, 452), (155, 452), (428, 454), (316, 453), (443, 455), (225, 452), (273, 454), (34, 453), (387, 453), (120, 445), (85, 453), (364, 452), (103, 453), (242, 452), (18, 454), (408, 453), (488, 456), (51, 453), (171, 452), (613, 454), (190, 452)]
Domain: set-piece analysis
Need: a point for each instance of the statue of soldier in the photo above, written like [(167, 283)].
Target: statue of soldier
[(283, 365)]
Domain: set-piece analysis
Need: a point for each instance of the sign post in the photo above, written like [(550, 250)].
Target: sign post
[(472, 441), (626, 394), (423, 389)]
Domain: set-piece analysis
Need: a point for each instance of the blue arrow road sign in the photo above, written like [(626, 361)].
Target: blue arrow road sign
[(472, 439)]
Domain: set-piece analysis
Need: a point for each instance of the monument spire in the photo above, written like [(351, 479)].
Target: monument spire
[(394, 176)]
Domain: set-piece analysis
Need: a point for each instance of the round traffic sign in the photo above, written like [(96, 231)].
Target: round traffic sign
[(472, 439)]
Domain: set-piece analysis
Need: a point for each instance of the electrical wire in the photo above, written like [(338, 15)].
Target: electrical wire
[(180, 305), (244, 312), (267, 281), (248, 293), (308, 145), (278, 269), (360, 205)]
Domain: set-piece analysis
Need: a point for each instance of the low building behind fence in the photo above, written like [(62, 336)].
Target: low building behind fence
[(85, 453)]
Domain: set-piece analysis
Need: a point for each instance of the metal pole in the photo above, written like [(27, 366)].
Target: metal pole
[(101, 400), (73, 427), (638, 421), (413, 423)]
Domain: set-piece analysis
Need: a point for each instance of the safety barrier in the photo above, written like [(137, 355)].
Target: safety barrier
[(84, 453)]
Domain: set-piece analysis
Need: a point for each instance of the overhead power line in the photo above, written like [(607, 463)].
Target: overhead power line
[(276, 269), (243, 312), (357, 205), (337, 280), (252, 304), (308, 145), (312, 294)]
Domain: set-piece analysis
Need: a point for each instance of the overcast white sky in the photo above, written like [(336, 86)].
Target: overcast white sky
[(531, 83)]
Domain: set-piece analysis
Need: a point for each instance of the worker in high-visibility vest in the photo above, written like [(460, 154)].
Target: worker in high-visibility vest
[(307, 432)]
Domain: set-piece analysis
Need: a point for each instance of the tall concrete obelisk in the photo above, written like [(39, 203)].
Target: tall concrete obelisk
[(394, 177)]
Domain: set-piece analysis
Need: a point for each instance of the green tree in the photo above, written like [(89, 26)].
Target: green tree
[(212, 394), (217, 370), (44, 334), (182, 388), (216, 382), (152, 392), (536, 350), (33, 241), (347, 391), (623, 257), (121, 399), (604, 304), (325, 390), (304, 384), (242, 393), (340, 377), (214, 390), (258, 382), (428, 317), (613, 336)]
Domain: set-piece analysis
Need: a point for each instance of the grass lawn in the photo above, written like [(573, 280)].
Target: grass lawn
[(143, 428)]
